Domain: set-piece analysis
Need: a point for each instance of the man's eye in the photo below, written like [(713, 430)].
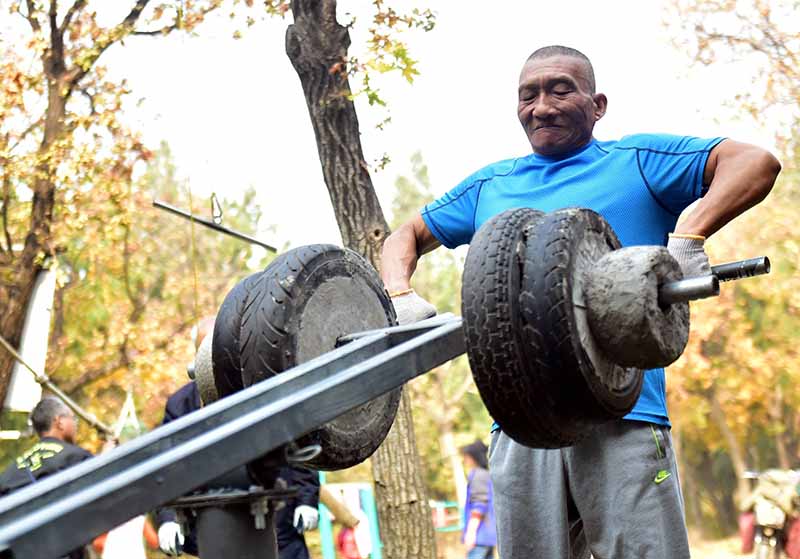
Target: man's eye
[(561, 92)]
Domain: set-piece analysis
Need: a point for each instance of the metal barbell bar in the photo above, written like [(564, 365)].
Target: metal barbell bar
[(691, 289)]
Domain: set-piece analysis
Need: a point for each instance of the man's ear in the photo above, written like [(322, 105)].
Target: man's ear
[(600, 105)]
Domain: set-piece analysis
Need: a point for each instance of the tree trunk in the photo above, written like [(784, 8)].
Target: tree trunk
[(406, 520), (444, 423), (448, 444), (16, 295), (734, 449), (317, 47), (777, 416)]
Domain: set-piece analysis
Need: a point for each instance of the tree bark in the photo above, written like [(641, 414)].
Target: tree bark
[(444, 423), (317, 46), (15, 296)]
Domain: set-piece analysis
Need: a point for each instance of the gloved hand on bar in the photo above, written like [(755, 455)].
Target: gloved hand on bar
[(410, 307), (690, 253), (305, 518), (170, 538)]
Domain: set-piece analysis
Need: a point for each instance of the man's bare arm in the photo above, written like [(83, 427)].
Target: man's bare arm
[(401, 250), (738, 176)]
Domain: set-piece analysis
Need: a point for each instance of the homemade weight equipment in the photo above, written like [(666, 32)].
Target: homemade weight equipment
[(560, 321), (537, 357)]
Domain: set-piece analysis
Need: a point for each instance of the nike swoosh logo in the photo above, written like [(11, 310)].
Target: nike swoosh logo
[(661, 476)]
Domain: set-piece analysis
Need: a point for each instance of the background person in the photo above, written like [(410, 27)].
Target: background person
[(300, 514), (57, 426), (618, 490), (479, 534)]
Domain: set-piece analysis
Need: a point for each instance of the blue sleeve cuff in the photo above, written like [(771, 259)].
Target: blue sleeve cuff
[(701, 188), (480, 507), (435, 230)]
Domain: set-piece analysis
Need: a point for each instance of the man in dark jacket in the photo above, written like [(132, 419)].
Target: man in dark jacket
[(56, 426), (298, 516)]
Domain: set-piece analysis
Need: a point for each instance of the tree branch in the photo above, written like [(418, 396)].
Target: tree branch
[(90, 97), (6, 203), (125, 27), (174, 26), (152, 33), (76, 7), (134, 298), (31, 17), (56, 56), (93, 375), (24, 134), (466, 384)]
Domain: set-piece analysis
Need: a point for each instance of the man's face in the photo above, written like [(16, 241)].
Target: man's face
[(556, 106), (68, 427)]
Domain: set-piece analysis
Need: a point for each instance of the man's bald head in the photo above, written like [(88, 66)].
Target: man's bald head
[(559, 50)]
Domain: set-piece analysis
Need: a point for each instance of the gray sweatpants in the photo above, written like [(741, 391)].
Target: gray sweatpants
[(617, 491)]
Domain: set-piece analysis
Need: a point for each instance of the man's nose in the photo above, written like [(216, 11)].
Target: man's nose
[(544, 107)]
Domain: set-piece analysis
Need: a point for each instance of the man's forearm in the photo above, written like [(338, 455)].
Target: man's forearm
[(741, 180), (399, 258)]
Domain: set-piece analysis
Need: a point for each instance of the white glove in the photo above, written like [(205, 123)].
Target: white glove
[(411, 308), (688, 250), (170, 538), (305, 518)]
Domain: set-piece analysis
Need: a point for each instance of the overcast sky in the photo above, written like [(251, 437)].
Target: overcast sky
[(234, 114)]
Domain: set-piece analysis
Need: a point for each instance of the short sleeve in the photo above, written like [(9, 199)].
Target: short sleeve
[(451, 217), (672, 167)]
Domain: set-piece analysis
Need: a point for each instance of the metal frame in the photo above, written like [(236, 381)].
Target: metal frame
[(64, 511)]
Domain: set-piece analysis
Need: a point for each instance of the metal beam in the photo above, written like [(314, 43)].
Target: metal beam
[(64, 511), (212, 225)]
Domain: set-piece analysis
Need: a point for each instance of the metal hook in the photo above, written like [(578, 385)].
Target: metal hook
[(216, 209), (295, 455)]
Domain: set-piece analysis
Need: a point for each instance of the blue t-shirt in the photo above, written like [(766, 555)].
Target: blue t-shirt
[(639, 184)]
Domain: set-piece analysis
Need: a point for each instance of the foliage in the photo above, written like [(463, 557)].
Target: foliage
[(127, 292), (127, 299), (63, 147), (761, 38), (732, 393)]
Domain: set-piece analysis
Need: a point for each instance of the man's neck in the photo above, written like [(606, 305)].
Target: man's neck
[(52, 435)]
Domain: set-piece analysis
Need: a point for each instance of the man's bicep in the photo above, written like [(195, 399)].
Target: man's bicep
[(723, 148), (426, 241)]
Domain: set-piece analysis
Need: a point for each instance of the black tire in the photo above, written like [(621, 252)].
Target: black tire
[(561, 349), (303, 302), (496, 336), (226, 338), (227, 367)]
